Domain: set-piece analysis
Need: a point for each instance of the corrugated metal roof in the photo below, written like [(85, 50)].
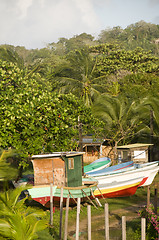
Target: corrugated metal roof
[(135, 145), (57, 154)]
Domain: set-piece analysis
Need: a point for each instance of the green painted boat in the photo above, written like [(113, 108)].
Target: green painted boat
[(42, 193)]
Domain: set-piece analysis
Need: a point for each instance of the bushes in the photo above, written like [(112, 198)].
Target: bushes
[(152, 222)]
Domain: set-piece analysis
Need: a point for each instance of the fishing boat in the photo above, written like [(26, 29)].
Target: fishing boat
[(60, 172), (118, 188), (41, 193), (119, 167), (97, 165), (123, 167), (147, 174)]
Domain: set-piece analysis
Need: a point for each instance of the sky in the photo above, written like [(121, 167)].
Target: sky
[(35, 23)]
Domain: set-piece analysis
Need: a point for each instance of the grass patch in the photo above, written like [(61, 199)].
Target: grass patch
[(118, 207)]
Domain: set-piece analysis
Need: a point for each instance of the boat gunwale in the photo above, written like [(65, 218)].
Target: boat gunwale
[(68, 188)]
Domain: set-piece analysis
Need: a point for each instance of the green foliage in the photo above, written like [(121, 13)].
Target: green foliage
[(121, 117), (6, 171), (9, 54), (111, 58), (36, 121), (139, 85), (78, 76), (152, 222), (18, 221), (139, 34)]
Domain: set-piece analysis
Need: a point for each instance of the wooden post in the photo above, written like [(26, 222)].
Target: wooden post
[(51, 205), (61, 211), (143, 228), (155, 199), (66, 218), (123, 228), (106, 221), (96, 199), (89, 221), (148, 196), (89, 199), (77, 218)]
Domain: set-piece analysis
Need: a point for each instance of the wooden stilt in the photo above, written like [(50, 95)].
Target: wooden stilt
[(89, 198), (66, 218), (101, 194), (61, 211), (51, 205), (77, 218), (73, 198), (96, 199)]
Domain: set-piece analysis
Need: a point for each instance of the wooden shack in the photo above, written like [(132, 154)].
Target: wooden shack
[(60, 168), (137, 152)]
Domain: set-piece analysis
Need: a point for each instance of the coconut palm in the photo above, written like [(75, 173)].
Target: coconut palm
[(123, 119), (78, 76)]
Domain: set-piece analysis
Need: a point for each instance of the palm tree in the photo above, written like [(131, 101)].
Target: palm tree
[(122, 118), (17, 221), (78, 76)]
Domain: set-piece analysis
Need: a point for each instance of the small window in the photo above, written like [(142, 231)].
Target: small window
[(71, 163)]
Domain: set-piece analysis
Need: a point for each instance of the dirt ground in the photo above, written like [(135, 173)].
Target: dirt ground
[(97, 223)]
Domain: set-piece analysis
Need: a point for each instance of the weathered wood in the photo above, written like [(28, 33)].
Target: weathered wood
[(89, 221), (101, 193), (61, 212), (106, 221), (155, 199), (123, 228), (143, 228), (89, 199), (96, 199), (77, 218), (66, 218), (51, 205), (148, 195), (73, 198)]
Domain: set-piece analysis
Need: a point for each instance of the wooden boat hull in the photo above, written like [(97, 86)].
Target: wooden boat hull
[(115, 168), (120, 169), (97, 165), (146, 172), (41, 193)]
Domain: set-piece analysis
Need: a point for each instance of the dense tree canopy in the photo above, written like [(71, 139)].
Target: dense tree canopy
[(43, 91), (34, 120)]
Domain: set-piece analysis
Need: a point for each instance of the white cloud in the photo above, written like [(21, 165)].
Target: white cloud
[(22, 6), (35, 22)]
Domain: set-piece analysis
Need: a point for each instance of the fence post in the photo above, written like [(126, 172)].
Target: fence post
[(77, 218), (89, 221), (51, 205), (123, 228), (155, 199), (148, 195), (106, 221), (143, 228), (66, 218), (61, 211)]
